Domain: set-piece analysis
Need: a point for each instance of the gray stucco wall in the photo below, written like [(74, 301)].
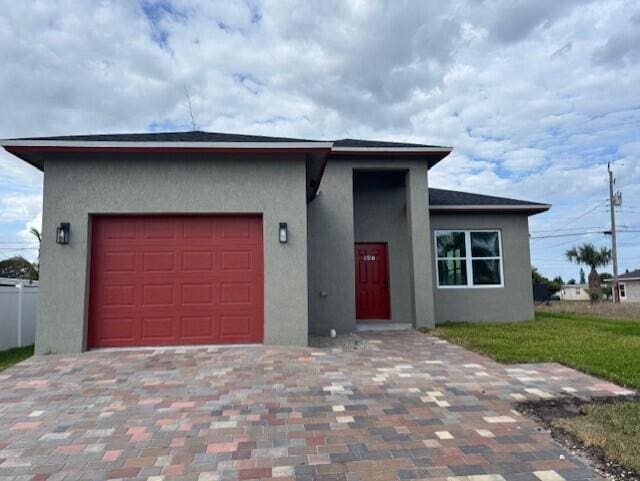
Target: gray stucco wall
[(273, 186), (514, 301), (332, 238), (632, 291), (380, 215)]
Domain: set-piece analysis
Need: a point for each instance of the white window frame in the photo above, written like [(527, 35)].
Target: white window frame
[(469, 259), (622, 287)]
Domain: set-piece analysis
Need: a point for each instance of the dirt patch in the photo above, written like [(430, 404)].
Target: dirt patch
[(545, 412)]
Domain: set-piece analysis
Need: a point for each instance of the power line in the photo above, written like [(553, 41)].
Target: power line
[(568, 228), (572, 234)]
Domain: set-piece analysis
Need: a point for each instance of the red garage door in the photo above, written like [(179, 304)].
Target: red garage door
[(160, 280)]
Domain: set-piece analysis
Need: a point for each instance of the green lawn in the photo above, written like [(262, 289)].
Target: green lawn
[(614, 428), (608, 348), (13, 356)]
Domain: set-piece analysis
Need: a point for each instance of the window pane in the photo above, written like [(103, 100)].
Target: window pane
[(451, 244), (452, 272), (485, 244), (486, 271)]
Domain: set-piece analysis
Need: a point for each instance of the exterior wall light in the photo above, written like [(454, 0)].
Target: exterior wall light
[(62, 233), (283, 235)]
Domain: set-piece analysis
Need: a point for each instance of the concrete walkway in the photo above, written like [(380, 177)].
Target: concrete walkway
[(410, 407)]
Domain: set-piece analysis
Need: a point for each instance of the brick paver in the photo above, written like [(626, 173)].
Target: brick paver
[(412, 407)]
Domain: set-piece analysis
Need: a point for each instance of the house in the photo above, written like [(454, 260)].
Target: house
[(574, 292), (200, 238), (629, 286)]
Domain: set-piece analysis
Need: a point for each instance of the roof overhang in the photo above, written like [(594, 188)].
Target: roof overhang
[(34, 150), (528, 209), (391, 150)]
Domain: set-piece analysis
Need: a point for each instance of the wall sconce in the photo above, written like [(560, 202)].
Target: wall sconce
[(62, 233), (282, 233)]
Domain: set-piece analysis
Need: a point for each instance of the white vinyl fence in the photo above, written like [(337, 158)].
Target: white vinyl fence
[(18, 315)]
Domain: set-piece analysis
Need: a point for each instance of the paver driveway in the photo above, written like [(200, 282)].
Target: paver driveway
[(412, 407)]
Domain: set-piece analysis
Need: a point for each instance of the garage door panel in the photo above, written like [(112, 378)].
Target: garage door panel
[(119, 262), (118, 229), (168, 280), (235, 326), (159, 227), (118, 329), (197, 328), (198, 261), (158, 329), (159, 262), (236, 228), (236, 260), (158, 295), (235, 293), (119, 296), (198, 228), (198, 294)]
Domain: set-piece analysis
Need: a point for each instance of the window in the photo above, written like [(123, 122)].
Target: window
[(622, 289), (469, 258)]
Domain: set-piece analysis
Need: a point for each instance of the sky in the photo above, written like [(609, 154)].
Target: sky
[(535, 97)]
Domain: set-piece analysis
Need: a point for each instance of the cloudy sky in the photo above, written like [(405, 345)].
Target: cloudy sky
[(535, 96)]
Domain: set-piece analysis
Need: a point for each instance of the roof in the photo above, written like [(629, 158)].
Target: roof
[(192, 136), (377, 143), (453, 200), (630, 275), (34, 149), (200, 136)]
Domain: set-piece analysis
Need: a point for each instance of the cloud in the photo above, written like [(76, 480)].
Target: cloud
[(623, 46), (511, 21), (18, 207)]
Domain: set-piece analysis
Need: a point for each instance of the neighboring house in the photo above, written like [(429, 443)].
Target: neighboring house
[(629, 286), (199, 238), (575, 292)]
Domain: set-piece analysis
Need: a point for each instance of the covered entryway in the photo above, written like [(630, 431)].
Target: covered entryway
[(176, 279)]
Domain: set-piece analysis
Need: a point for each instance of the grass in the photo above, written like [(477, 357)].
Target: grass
[(13, 356), (608, 348), (605, 309), (614, 428)]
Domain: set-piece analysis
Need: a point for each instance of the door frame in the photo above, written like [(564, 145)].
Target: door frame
[(390, 315)]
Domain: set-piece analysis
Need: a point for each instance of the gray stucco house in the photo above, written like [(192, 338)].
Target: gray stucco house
[(201, 238)]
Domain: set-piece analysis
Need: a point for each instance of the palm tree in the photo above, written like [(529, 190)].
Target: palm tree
[(34, 273), (587, 254)]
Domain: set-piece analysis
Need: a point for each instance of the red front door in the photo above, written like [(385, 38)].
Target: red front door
[(372, 282), (171, 279)]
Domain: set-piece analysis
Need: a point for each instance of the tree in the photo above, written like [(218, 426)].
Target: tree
[(35, 266), (552, 285), (34, 271), (15, 268), (607, 287), (587, 254), (583, 280), (571, 282)]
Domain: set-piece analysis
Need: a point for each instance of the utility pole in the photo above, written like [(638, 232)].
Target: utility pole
[(613, 201)]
